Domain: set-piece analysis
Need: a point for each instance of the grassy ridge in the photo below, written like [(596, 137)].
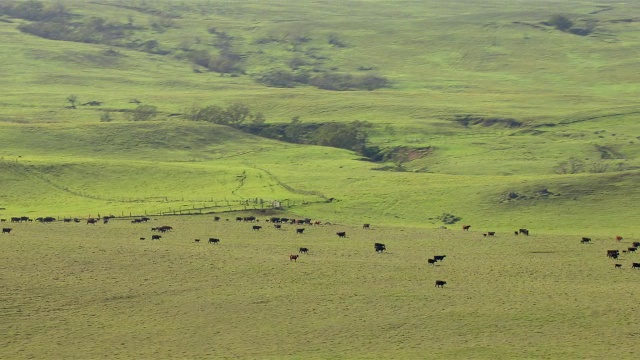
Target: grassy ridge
[(98, 291)]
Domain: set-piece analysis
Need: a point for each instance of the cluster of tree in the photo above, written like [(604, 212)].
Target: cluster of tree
[(33, 10), (224, 63), (235, 114), (54, 22), (565, 24), (576, 166), (351, 136), (326, 81)]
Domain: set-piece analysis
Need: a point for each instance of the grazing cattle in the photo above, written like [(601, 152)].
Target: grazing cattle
[(585, 240), (365, 226), (636, 244), (466, 227), (439, 257), (341, 234), (256, 227), (317, 222), (440, 283), (238, 218), (216, 218), (277, 226), (618, 266), (491, 233), (635, 266), (92, 221), (304, 250), (618, 238), (6, 230), (3, 220), (632, 249), (163, 228), (197, 240), (613, 254), (515, 232), (299, 231), (142, 238), (523, 231), (431, 261), (249, 218), (156, 237), (380, 247), (214, 241), (293, 257), (105, 220)]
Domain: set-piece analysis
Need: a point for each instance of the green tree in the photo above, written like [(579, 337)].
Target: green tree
[(144, 112), (561, 22), (72, 99)]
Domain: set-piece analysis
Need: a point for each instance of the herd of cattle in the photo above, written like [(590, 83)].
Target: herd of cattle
[(278, 221), (615, 254)]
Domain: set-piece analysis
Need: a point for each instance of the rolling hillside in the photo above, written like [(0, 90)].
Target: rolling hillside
[(488, 113)]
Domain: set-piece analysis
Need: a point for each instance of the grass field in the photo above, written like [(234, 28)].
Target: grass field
[(495, 117), (96, 291)]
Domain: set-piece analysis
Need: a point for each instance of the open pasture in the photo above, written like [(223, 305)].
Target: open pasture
[(75, 290)]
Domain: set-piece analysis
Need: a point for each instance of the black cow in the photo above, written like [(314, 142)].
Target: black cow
[(257, 227), (440, 283), (613, 254), (341, 234), (635, 266), (466, 227), (92, 221), (156, 237), (299, 231), (636, 244), (618, 266), (238, 218), (197, 240), (515, 232), (216, 218), (524, 231), (6, 230), (585, 240), (380, 247), (439, 257), (304, 250), (431, 261), (632, 249), (142, 238), (277, 226), (214, 241), (365, 226)]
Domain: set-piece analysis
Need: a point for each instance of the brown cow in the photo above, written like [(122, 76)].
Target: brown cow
[(293, 257), (466, 227)]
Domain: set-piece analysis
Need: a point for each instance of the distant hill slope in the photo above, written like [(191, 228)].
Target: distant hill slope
[(485, 110)]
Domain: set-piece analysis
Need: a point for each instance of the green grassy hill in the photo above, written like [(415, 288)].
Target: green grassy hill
[(525, 125)]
